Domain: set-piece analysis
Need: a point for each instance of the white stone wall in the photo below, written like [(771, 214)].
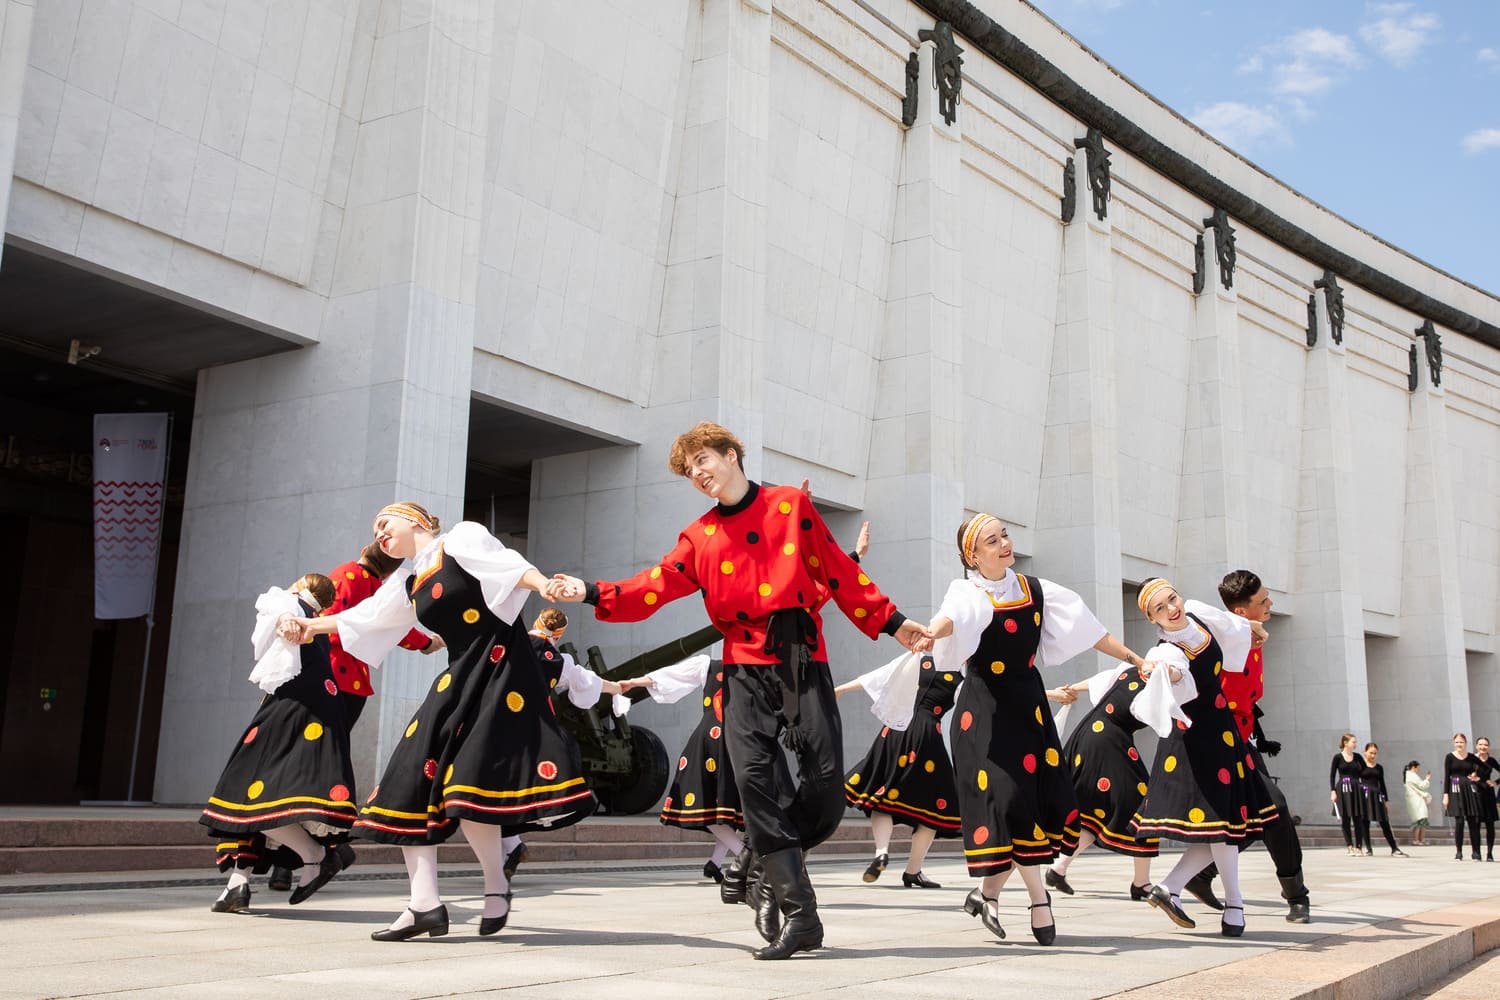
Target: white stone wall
[(628, 215)]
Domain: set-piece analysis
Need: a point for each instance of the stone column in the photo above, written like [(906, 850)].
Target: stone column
[(1419, 686), (15, 41), (1315, 663), (1211, 505), (915, 480), (380, 403), (1078, 509)]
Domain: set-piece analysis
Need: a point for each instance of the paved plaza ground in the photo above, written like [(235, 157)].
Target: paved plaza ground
[(643, 932)]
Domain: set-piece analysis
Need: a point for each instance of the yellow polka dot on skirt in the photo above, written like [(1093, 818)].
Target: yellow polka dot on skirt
[(1052, 757), (1218, 666), (471, 616), (1098, 727), (711, 765), (1037, 833), (1037, 618), (929, 767), (1195, 815), (514, 701), (853, 780), (707, 702), (1039, 715), (948, 678), (1141, 788), (1100, 813), (1228, 738), (689, 799), (253, 792), (313, 731), (893, 794), (448, 774), (998, 667), (1077, 759), (901, 761), (444, 681), (1240, 767), (411, 728), (1169, 765), (984, 780)]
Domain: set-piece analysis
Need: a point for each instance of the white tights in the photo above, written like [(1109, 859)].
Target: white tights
[(881, 828), (1142, 865), (1036, 892), (422, 873), (1195, 859), (727, 842)]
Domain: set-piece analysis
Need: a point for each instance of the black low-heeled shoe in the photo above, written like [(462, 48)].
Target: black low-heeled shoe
[(1140, 893), (494, 925), (236, 900), (280, 880), (1232, 930), (1058, 882), (347, 855), (974, 906), (876, 867), (1048, 934), (918, 881), (1162, 900), (713, 871), (330, 866), (433, 923)]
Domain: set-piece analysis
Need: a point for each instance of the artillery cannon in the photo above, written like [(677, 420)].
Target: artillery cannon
[(626, 766)]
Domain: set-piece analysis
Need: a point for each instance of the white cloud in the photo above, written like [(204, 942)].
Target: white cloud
[(1481, 139), (1241, 126), (1488, 56), (1304, 63), (1399, 32)]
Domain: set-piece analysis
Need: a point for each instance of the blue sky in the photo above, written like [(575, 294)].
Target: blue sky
[(1386, 113)]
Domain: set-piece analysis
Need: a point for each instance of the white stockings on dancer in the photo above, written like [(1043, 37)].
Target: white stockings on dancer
[(1085, 841), (921, 840), (421, 876), (1036, 892), (1227, 858), (486, 842), (296, 838), (727, 842), (508, 844), (881, 828)]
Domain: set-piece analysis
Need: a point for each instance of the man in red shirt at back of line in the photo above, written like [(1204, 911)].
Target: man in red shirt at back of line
[(763, 560), (353, 582), (1243, 593)]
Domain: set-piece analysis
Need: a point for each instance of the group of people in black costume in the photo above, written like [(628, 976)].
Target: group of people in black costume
[(483, 754), (1357, 789)]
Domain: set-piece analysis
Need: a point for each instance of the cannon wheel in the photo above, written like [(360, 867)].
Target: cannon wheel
[(648, 780)]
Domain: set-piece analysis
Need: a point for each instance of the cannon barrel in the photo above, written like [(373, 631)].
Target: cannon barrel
[(661, 656)]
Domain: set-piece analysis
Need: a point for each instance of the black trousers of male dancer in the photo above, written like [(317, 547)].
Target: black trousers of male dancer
[(1280, 838), (782, 811)]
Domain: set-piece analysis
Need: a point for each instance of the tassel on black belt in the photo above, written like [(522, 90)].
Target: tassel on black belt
[(791, 637)]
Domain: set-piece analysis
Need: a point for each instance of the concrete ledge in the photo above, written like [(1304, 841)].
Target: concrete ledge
[(1383, 961)]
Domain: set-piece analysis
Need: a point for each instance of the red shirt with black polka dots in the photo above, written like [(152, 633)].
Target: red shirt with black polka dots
[(1242, 692), (769, 552), (353, 583)]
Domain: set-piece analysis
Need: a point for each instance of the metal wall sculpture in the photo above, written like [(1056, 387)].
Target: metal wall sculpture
[(909, 102), (1434, 342), (946, 68), (1200, 266), (1312, 318), (1070, 191), (1223, 245), (1333, 297), (1098, 169)]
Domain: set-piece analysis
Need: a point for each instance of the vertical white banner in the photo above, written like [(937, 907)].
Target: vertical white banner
[(130, 457)]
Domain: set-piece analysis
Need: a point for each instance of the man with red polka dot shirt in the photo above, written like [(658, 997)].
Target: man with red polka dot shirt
[(1243, 593), (759, 559)]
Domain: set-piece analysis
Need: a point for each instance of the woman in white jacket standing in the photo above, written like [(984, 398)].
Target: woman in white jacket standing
[(1418, 795)]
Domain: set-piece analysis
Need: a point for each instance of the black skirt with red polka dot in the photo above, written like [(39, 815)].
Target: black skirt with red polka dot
[(1203, 787), (289, 765), (1015, 796), (703, 791), (907, 775), (1109, 776), (485, 744)]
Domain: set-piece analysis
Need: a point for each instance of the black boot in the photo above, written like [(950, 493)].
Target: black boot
[(1201, 885), (762, 899), (732, 889), (1294, 891), (801, 930)]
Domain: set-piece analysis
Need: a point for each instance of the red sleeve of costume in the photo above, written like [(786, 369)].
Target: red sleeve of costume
[(416, 639), (641, 596), (1243, 690), (855, 593)]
